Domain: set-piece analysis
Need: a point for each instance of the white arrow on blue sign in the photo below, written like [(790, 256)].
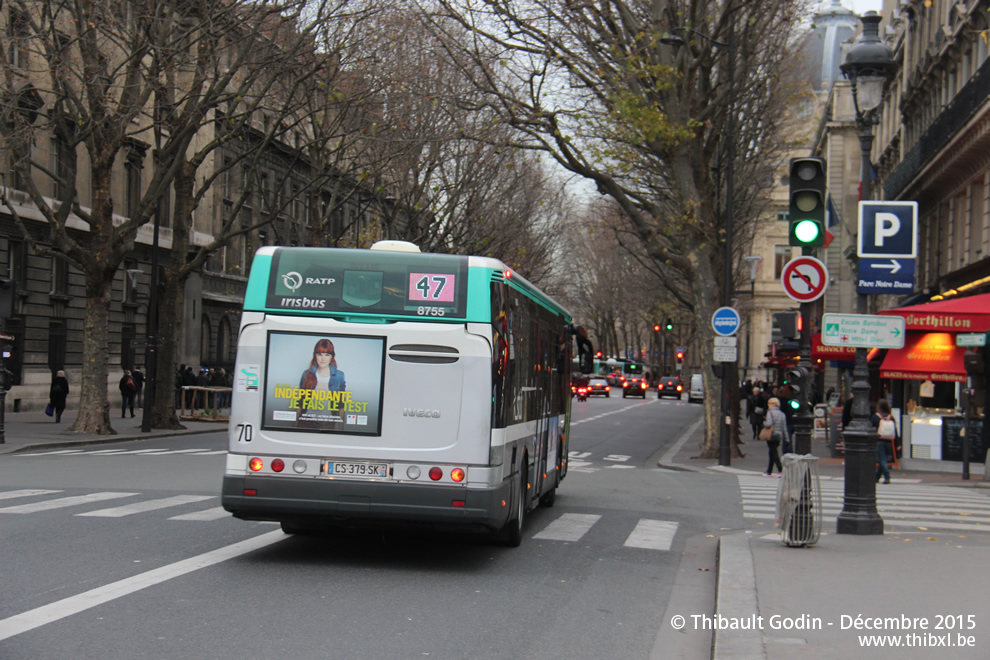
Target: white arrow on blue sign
[(888, 230), (725, 321)]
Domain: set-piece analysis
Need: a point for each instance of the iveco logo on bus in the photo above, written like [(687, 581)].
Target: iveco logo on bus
[(420, 412)]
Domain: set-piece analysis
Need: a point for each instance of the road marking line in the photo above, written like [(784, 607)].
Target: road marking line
[(149, 505), (11, 494), (617, 457), (205, 516), (63, 502), (53, 453), (40, 616), (569, 527), (652, 535)]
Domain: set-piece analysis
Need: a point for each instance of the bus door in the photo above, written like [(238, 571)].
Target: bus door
[(545, 445)]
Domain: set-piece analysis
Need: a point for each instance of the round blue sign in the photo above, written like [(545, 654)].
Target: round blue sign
[(725, 321)]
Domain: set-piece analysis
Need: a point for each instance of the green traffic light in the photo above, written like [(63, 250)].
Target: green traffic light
[(794, 403), (807, 231)]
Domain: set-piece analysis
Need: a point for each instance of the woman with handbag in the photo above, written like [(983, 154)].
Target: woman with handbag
[(773, 432), (886, 429)]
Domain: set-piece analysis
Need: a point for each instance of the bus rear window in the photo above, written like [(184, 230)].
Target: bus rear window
[(361, 281)]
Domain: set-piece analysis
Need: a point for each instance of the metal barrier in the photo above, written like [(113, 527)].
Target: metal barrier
[(799, 500)]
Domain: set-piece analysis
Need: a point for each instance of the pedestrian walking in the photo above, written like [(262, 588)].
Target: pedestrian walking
[(887, 438), (128, 390), (756, 410), (777, 423), (57, 394)]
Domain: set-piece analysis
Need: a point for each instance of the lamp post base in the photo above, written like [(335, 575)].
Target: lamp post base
[(859, 506)]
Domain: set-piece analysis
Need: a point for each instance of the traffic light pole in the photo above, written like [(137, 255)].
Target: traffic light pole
[(804, 420)]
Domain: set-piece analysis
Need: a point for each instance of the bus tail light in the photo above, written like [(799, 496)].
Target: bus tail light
[(457, 503), (256, 464), (436, 473), (278, 465), (457, 474)]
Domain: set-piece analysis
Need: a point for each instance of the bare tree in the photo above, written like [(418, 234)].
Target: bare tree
[(597, 86)]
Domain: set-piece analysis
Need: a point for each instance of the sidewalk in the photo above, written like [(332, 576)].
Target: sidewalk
[(775, 602), (25, 431)]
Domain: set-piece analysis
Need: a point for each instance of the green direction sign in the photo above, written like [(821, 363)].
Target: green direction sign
[(863, 331), (971, 339)]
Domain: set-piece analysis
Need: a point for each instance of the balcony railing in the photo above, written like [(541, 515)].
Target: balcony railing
[(948, 123)]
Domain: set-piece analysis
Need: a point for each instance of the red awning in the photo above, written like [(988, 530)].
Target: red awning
[(965, 314), (926, 356)]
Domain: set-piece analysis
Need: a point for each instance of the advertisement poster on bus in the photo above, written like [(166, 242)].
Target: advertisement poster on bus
[(326, 383)]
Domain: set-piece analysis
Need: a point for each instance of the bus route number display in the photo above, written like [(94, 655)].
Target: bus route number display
[(430, 290)]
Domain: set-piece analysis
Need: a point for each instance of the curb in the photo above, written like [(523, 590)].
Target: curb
[(735, 597), (102, 440)]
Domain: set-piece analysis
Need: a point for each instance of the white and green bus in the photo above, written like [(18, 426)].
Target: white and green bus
[(388, 386)]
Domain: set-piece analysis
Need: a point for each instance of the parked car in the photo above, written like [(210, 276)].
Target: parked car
[(697, 390), (598, 386), (634, 387), (670, 386)]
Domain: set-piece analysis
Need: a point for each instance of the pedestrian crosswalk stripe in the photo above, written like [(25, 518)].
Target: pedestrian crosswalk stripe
[(142, 507), (902, 507), (652, 535), (569, 527), (13, 494), (206, 515), (63, 502)]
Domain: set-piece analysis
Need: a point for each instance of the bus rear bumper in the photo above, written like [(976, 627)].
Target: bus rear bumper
[(339, 502)]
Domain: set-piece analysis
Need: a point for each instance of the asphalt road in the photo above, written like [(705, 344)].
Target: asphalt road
[(154, 570)]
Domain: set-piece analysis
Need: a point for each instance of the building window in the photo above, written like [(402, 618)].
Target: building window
[(60, 276), (61, 167), (782, 216), (17, 263), (56, 344), (132, 184), (128, 333), (19, 33), (781, 255)]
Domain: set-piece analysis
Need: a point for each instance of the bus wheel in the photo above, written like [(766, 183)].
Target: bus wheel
[(511, 534), (549, 497)]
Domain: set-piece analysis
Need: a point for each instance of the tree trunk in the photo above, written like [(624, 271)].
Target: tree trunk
[(94, 405), (163, 415)]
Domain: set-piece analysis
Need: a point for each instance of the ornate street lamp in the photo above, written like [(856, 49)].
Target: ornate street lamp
[(868, 66), (724, 446)]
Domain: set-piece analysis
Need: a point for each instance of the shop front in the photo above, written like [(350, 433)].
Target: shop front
[(927, 378)]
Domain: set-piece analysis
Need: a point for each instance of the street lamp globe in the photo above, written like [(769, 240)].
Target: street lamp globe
[(868, 65)]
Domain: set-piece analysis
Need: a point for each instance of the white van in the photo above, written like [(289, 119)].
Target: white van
[(697, 390)]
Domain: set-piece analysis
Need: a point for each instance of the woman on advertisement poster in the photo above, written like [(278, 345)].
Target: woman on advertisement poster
[(323, 373)]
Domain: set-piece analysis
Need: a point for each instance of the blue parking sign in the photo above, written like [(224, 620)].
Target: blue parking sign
[(888, 229)]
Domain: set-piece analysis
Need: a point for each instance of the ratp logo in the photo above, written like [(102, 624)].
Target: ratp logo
[(292, 281)]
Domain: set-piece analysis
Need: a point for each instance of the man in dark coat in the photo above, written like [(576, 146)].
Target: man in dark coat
[(57, 394), (756, 410)]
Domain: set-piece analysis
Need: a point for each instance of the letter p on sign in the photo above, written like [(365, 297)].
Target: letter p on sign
[(887, 225)]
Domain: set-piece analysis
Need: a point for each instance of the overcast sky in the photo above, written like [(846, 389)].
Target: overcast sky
[(861, 6)]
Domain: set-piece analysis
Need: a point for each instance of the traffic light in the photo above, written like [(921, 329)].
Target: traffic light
[(788, 324), (669, 325), (796, 378), (680, 359), (656, 327), (808, 193)]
